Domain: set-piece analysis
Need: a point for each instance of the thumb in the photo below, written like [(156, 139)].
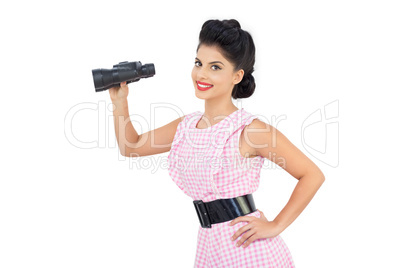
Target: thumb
[(262, 214)]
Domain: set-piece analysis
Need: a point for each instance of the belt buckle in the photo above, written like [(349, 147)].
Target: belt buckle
[(202, 214)]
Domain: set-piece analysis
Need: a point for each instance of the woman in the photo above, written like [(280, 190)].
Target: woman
[(216, 156)]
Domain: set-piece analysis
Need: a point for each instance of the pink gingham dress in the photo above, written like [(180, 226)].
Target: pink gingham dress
[(206, 164)]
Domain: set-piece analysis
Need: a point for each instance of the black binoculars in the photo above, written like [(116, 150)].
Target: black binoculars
[(124, 71)]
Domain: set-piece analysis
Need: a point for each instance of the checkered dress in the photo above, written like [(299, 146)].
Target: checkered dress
[(206, 164)]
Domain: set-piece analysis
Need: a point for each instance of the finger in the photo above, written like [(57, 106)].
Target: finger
[(240, 219), (262, 214), (250, 240), (245, 237), (122, 84), (241, 230)]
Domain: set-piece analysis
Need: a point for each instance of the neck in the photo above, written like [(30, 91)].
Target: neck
[(216, 110)]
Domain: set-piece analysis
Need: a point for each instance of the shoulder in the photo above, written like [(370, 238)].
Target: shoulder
[(257, 130), (254, 134), (252, 122), (257, 124), (257, 135)]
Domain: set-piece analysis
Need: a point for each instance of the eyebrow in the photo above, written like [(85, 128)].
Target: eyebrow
[(212, 62)]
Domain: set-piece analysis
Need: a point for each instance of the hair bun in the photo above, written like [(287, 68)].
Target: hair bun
[(245, 88), (232, 23)]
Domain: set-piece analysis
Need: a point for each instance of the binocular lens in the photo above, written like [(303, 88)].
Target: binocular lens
[(148, 70), (103, 79)]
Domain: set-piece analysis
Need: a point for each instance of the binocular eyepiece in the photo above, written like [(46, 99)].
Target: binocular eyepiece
[(124, 71)]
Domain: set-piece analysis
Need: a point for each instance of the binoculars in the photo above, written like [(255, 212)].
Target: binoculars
[(124, 71)]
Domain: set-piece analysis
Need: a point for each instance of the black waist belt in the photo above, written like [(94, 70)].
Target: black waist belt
[(222, 210)]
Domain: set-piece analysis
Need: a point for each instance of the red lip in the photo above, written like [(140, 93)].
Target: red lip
[(208, 86)]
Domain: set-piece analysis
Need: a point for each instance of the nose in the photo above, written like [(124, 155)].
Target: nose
[(201, 73)]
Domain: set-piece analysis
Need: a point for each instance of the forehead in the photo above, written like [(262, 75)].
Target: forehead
[(210, 54)]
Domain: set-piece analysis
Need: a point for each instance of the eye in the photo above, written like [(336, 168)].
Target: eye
[(198, 63), (215, 67)]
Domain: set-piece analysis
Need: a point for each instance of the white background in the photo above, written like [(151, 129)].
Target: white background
[(63, 205)]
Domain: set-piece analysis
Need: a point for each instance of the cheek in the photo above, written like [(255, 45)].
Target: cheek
[(194, 74), (221, 80)]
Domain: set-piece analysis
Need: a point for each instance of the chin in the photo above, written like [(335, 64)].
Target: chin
[(200, 96)]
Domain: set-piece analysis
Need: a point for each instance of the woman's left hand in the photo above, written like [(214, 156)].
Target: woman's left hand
[(256, 228)]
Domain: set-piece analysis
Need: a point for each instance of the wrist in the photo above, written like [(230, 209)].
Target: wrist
[(279, 227), (120, 103)]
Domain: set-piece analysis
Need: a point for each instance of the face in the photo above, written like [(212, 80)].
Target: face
[(213, 75)]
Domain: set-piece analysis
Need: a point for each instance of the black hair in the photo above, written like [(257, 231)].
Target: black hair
[(236, 46)]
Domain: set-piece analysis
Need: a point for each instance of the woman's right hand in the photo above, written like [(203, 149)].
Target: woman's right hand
[(119, 93)]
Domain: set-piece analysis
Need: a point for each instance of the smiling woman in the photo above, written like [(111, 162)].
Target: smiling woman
[(232, 232), (212, 70)]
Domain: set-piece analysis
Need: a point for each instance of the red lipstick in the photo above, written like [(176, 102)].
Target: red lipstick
[(203, 86)]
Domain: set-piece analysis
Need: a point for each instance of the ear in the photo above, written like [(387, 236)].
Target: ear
[(238, 76)]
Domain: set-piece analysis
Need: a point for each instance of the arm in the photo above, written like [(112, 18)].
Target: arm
[(130, 143), (278, 149), (126, 135)]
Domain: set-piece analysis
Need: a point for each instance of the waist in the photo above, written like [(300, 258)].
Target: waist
[(221, 210)]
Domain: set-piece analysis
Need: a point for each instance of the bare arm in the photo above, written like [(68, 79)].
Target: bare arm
[(130, 143), (278, 149)]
